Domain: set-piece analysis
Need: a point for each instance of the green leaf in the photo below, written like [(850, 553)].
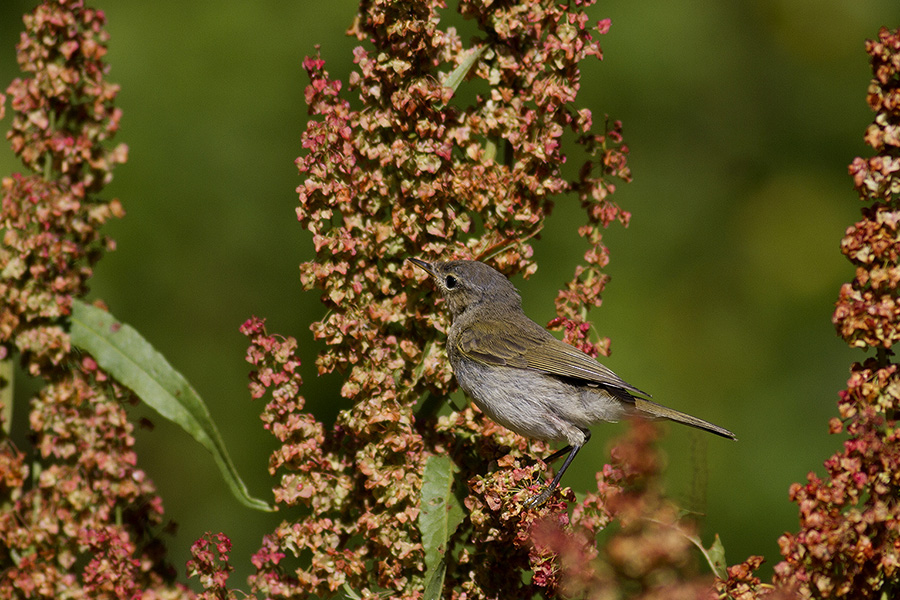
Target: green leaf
[(439, 517), (121, 351), (490, 151), (715, 555), (435, 584), (459, 73)]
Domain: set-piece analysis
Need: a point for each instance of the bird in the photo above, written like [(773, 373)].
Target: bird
[(524, 378)]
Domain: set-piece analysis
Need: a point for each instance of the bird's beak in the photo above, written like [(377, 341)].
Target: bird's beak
[(425, 266)]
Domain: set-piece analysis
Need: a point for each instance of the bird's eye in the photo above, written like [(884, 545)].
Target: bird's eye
[(450, 282)]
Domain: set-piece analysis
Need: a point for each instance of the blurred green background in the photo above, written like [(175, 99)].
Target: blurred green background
[(741, 118)]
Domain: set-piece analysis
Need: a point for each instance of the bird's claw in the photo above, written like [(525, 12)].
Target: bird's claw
[(539, 499)]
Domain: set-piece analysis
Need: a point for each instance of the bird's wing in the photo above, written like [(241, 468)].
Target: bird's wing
[(492, 343)]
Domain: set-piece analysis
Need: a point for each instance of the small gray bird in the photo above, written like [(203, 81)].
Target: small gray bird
[(525, 379)]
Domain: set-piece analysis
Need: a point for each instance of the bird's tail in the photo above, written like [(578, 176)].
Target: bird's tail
[(646, 408)]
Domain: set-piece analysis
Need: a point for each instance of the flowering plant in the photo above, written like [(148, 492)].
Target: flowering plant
[(401, 498)]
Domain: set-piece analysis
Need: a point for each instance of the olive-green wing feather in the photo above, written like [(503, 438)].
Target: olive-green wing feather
[(530, 346)]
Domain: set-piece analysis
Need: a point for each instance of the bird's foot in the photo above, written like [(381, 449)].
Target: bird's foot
[(539, 499)]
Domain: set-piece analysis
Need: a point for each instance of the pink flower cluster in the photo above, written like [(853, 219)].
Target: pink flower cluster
[(79, 518), (848, 545), (408, 168)]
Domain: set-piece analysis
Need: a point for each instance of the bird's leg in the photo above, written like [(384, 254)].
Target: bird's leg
[(545, 494), (556, 455)]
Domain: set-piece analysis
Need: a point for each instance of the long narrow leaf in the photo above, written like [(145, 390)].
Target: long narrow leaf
[(434, 585), (459, 73), (439, 516), (121, 351)]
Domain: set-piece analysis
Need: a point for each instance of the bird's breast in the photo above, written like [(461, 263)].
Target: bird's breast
[(531, 403)]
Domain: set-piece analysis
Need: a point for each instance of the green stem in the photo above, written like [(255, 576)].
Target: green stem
[(6, 395)]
